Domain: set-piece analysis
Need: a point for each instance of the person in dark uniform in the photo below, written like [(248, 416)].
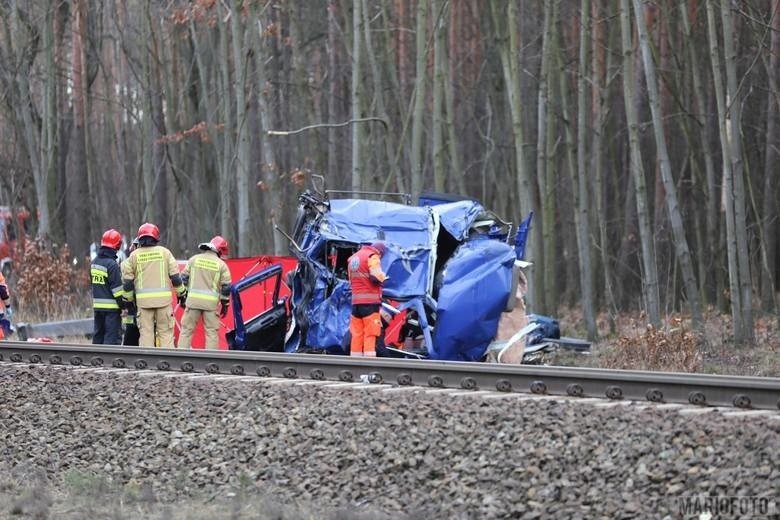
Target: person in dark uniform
[(107, 291), (132, 334)]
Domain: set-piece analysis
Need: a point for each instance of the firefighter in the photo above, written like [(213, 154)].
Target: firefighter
[(5, 311), (107, 291), (365, 280), (148, 275), (207, 278), (129, 317)]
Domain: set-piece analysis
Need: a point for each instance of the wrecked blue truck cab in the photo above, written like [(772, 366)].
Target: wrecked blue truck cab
[(448, 261)]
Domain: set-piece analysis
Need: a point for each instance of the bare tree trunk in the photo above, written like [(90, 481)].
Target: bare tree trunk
[(650, 279), (245, 241), (388, 137), (456, 169), (161, 200), (113, 184), (333, 83), (601, 64), (770, 211), (680, 241), (271, 195), (78, 215), (583, 185), (550, 232), (86, 109), (226, 177), (147, 139), (398, 95), (629, 230), (735, 95), (740, 333), (544, 162), (437, 132), (712, 252), (357, 97), (214, 150), (49, 117), (506, 27), (419, 99), (16, 44), (569, 156)]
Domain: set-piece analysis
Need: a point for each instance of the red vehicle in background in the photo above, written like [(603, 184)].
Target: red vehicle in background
[(13, 236)]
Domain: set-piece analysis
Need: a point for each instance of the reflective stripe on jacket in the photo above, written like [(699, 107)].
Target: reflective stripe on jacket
[(208, 281), (106, 281), (365, 276), (149, 273)]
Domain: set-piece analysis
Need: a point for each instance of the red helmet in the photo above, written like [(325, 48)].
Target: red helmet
[(380, 247), (217, 244), (149, 230), (112, 239), (220, 245)]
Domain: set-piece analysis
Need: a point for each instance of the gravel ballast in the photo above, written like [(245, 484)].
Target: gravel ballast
[(227, 447)]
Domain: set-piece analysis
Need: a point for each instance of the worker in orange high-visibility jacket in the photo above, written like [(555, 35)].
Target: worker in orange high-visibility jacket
[(107, 291), (148, 275), (365, 280), (207, 278)]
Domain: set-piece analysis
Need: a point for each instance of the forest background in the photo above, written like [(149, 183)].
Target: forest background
[(642, 134)]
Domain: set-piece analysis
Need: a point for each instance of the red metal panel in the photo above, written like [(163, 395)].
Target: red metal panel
[(255, 300)]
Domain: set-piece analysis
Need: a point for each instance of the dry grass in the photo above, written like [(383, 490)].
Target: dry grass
[(672, 348), (675, 346)]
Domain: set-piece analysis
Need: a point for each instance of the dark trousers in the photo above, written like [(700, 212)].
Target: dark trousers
[(132, 335), (108, 328)]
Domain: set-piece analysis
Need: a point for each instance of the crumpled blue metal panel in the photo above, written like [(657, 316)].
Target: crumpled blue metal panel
[(407, 231), (457, 217), (366, 221), (408, 271), (475, 286), (329, 317)]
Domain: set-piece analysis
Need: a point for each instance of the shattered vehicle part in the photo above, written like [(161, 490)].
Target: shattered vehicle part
[(449, 263), (441, 261)]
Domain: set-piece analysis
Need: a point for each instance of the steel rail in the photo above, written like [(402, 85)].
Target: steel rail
[(658, 387)]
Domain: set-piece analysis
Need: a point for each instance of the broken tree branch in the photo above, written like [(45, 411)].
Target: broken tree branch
[(329, 125)]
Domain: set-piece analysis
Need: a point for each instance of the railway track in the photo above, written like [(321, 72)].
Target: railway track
[(658, 387)]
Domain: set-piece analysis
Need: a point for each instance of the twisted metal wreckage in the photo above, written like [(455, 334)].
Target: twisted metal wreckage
[(454, 268)]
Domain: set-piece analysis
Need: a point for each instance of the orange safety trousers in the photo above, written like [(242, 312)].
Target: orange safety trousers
[(364, 333)]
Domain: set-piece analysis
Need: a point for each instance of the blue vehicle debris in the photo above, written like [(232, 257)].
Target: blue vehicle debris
[(452, 266), (442, 262)]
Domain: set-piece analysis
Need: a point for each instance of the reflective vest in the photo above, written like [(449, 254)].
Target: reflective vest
[(106, 281), (150, 270), (364, 290), (208, 281)]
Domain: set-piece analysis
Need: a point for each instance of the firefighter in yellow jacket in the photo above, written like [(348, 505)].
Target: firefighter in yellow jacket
[(148, 275), (208, 286)]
